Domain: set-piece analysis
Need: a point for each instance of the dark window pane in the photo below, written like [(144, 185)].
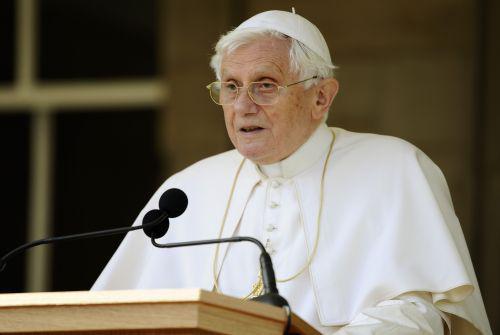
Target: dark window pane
[(14, 176), (106, 169), (6, 41), (82, 39)]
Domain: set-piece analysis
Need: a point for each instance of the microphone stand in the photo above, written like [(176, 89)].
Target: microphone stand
[(173, 202), (271, 295), (108, 232)]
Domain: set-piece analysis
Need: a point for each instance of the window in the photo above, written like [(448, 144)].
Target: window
[(81, 156)]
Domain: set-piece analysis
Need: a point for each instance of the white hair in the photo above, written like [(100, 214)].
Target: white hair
[(303, 61)]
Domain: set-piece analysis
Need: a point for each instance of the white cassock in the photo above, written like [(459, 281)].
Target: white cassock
[(391, 257)]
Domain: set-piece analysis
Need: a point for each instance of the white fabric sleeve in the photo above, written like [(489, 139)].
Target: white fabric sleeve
[(408, 314)]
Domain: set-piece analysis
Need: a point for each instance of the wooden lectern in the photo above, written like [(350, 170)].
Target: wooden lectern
[(183, 311)]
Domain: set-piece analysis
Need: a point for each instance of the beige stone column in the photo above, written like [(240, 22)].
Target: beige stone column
[(191, 127)]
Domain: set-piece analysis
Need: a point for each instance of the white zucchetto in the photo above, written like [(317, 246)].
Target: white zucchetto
[(292, 25)]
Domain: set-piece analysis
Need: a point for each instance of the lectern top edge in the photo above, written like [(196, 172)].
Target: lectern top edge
[(97, 311), (78, 298)]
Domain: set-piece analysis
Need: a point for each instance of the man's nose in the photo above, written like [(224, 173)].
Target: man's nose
[(243, 103)]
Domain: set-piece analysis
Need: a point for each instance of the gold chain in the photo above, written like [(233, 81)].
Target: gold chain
[(216, 254), (258, 286)]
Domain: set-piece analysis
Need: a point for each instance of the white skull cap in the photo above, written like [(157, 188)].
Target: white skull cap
[(292, 25)]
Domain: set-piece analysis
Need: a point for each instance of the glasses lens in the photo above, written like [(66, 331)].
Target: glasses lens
[(223, 93), (264, 93), (227, 93)]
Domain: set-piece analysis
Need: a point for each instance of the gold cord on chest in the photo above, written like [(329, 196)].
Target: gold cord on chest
[(258, 287)]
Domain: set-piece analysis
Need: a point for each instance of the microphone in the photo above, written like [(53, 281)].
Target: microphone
[(173, 202)]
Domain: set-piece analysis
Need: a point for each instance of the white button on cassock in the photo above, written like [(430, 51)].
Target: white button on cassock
[(270, 250), (271, 227), (273, 204)]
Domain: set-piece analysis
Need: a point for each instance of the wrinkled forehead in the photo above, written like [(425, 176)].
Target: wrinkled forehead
[(266, 54)]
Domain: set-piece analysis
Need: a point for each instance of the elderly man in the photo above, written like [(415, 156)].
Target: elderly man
[(360, 227)]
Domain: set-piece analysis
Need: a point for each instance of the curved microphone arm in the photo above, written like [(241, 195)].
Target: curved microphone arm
[(108, 232), (271, 295)]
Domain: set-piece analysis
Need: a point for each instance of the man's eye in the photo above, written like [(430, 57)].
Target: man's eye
[(229, 87), (266, 86)]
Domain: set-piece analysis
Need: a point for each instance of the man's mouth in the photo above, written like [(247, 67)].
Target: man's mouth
[(250, 129)]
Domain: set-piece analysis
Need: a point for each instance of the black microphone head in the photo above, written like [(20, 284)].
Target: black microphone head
[(174, 202), (157, 230)]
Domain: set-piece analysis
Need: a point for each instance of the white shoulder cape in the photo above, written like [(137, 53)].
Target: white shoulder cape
[(388, 227)]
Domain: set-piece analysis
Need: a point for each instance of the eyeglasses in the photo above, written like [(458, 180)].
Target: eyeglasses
[(261, 92)]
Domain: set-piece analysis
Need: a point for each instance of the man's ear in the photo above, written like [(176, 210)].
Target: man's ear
[(326, 90)]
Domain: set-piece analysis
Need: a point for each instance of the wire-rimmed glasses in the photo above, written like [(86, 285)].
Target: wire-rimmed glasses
[(261, 92)]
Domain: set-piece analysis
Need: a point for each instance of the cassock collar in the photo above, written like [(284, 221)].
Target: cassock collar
[(303, 158)]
